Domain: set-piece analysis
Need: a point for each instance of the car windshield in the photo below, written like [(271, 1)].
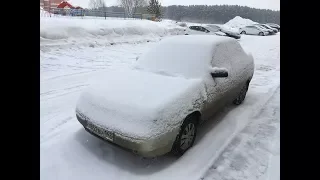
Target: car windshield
[(260, 28), (209, 28), (180, 58), (267, 26)]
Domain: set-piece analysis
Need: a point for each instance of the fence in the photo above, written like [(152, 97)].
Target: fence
[(80, 13)]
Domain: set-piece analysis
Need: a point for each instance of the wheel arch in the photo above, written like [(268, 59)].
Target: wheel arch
[(196, 114)]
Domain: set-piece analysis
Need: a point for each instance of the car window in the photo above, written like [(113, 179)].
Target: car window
[(196, 28), (214, 27), (228, 55), (204, 29)]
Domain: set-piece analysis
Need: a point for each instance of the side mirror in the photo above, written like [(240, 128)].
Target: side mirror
[(137, 58), (219, 72)]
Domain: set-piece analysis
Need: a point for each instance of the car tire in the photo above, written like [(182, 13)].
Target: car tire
[(261, 34), (186, 34), (243, 32), (187, 135), (242, 95)]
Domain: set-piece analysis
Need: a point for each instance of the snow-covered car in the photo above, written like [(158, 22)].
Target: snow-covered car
[(206, 30), (156, 107), (228, 32), (274, 26), (269, 27), (271, 32), (253, 30)]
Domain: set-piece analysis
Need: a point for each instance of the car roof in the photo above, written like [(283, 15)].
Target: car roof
[(183, 52), (214, 25), (205, 40)]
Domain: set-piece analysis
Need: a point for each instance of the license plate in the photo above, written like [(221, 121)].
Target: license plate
[(105, 134)]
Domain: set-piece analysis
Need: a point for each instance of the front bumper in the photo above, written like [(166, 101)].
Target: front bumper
[(145, 148)]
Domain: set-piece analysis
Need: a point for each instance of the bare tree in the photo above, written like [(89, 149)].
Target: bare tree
[(130, 6), (97, 4)]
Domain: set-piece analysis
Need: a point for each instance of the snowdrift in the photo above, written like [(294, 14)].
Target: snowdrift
[(101, 31), (239, 22)]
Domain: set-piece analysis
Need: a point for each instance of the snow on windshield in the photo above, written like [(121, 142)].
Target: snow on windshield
[(187, 56)]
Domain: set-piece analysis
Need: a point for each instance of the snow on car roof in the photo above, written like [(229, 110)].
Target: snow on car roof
[(188, 56)]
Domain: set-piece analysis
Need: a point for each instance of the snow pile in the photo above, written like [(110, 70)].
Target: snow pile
[(101, 31), (239, 22)]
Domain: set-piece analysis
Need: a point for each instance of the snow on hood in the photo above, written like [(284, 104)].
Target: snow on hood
[(139, 104)]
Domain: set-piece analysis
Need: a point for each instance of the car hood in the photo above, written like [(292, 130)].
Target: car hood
[(269, 30), (137, 103), (230, 32)]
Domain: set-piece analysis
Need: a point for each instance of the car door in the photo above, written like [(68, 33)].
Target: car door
[(222, 91), (217, 88), (250, 30), (256, 30)]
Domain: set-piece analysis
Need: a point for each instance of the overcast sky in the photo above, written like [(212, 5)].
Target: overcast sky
[(262, 4)]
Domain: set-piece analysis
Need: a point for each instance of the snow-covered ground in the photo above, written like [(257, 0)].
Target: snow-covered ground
[(239, 143)]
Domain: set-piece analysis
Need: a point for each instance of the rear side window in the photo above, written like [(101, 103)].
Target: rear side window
[(252, 27), (228, 55), (196, 28)]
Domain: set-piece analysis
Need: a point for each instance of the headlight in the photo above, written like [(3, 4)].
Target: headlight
[(81, 115)]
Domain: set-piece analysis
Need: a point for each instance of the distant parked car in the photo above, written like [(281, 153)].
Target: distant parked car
[(228, 32), (206, 30), (269, 27), (274, 26), (157, 106), (253, 30)]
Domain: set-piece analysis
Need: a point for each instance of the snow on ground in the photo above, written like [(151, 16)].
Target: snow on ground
[(255, 152), (242, 142)]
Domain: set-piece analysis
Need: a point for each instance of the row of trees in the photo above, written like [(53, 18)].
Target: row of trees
[(219, 14), (130, 7), (194, 13)]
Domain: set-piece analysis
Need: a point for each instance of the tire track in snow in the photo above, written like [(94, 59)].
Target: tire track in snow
[(249, 154), (61, 92), (199, 172)]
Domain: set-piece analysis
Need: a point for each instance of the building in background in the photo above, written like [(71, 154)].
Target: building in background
[(48, 4)]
